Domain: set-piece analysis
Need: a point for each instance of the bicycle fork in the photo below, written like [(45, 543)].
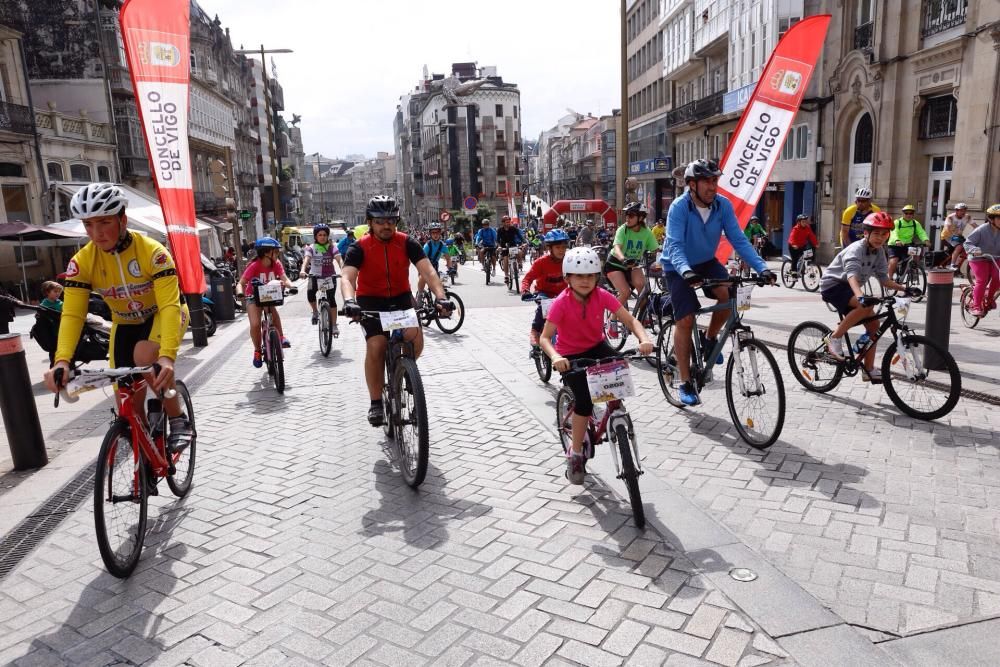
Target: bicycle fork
[(754, 379), (620, 417)]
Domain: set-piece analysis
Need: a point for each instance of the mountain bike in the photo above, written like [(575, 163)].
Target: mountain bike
[(273, 295), (428, 312), (614, 424), (513, 263), (543, 365), (326, 311), (616, 332), (755, 392), (133, 457), (910, 271), (989, 300), (807, 269), (920, 377), (489, 259)]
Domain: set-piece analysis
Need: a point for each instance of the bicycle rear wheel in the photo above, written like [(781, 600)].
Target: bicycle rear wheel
[(183, 459), (811, 364), (486, 268), (666, 365), (787, 279), (630, 476), (916, 276), (811, 275), (755, 394), (325, 330), (515, 278), (276, 359), (965, 303), (928, 394), (450, 323), (413, 439), (614, 332), (564, 417), (120, 502)]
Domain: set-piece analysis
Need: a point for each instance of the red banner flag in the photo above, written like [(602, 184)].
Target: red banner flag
[(769, 114), (157, 36)]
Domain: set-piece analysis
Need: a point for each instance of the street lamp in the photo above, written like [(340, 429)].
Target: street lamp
[(322, 197), (276, 200)]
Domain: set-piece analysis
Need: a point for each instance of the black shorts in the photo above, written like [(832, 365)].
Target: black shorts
[(898, 251), (577, 380), (126, 336), (839, 296), (372, 326), (331, 294), (682, 296)]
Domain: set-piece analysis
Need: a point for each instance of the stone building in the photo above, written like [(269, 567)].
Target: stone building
[(448, 153)]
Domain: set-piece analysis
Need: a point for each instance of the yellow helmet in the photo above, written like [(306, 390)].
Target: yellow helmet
[(993, 210), (360, 230), (909, 207)]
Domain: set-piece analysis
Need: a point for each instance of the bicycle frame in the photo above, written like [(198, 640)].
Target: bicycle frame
[(153, 450), (733, 327)]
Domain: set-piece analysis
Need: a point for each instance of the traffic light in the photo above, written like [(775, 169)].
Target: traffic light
[(220, 179), (231, 211)]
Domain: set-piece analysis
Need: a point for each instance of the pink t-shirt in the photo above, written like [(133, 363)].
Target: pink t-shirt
[(255, 269), (580, 326)]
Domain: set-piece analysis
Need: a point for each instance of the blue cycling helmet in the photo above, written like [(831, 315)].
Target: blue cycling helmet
[(557, 236), (321, 227), (449, 242), (266, 242)]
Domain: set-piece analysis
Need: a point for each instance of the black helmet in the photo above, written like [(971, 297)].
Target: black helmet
[(702, 169), (634, 208), (382, 206)]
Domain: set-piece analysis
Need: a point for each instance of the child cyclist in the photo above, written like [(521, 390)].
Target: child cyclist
[(265, 268), (321, 260), (546, 274), (435, 249), (577, 315)]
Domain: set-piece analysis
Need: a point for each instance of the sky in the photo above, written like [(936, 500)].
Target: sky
[(353, 60)]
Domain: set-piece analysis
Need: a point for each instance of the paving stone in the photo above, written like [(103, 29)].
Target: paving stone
[(625, 638)]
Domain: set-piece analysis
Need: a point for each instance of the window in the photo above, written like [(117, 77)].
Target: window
[(80, 173), (864, 139), (940, 15), (515, 111), (501, 185), (938, 117), (801, 142), (11, 170), (499, 111), (55, 171), (501, 164), (104, 174)]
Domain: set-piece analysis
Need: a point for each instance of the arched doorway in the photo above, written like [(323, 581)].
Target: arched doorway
[(862, 148)]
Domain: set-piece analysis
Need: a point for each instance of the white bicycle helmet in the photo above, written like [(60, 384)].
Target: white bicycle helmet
[(863, 193), (98, 199), (581, 261)]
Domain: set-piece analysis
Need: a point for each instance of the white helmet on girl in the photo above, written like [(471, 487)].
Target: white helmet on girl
[(581, 261)]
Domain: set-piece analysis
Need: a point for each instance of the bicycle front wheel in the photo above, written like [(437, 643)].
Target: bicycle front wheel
[(414, 440), (811, 275), (755, 394), (325, 330), (811, 364), (666, 365), (449, 324), (543, 365), (630, 476), (120, 501), (614, 332), (916, 276), (277, 361), (965, 303), (564, 417), (183, 459), (915, 388), (787, 279)]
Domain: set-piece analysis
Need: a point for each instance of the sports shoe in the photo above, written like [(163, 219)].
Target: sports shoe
[(688, 395), (575, 470), (258, 359), (976, 312), (613, 329), (376, 415), (315, 319), (835, 346), (179, 434), (707, 349), (874, 376), (285, 342)]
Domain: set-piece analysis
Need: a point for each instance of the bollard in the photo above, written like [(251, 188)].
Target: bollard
[(17, 404), (940, 284)]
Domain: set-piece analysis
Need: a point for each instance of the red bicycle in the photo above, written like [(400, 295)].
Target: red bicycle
[(989, 300), (133, 458)]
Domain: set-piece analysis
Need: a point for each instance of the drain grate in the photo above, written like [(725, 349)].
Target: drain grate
[(28, 534)]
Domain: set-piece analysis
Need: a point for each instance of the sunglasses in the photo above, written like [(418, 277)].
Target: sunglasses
[(385, 221)]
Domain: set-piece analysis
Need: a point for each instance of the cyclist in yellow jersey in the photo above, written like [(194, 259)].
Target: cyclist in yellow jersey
[(137, 279), (851, 221)]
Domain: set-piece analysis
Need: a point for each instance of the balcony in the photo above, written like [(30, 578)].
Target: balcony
[(206, 202), (248, 179), (864, 36), (135, 167), (711, 24), (701, 109), (121, 82), (16, 118), (941, 15), (432, 151), (500, 144)]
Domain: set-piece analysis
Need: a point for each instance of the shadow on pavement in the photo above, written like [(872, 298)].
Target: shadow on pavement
[(265, 400), (111, 612)]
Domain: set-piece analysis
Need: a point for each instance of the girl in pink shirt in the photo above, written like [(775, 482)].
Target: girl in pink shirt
[(577, 314)]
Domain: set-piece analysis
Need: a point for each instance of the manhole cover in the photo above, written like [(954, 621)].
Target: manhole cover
[(742, 574)]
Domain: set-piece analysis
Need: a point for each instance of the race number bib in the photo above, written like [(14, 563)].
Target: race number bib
[(610, 381), (325, 284), (546, 305), (743, 297), (398, 319)]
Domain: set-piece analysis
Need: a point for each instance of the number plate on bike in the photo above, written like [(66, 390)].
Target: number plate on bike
[(902, 308), (915, 251), (399, 319), (610, 381), (807, 254), (269, 294), (743, 297), (323, 284)]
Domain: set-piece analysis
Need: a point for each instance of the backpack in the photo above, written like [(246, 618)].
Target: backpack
[(45, 330)]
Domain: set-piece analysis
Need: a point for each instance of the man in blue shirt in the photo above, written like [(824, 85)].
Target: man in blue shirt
[(695, 224), (344, 242), (486, 237)]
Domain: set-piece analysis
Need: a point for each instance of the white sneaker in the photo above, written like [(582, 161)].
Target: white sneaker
[(835, 346), (874, 376)]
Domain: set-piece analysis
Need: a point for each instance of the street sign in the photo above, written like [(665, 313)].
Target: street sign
[(445, 216), (470, 203), (245, 215)]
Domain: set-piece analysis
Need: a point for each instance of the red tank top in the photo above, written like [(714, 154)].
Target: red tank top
[(385, 271)]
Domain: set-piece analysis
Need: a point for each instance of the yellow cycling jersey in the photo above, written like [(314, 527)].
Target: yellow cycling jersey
[(136, 283)]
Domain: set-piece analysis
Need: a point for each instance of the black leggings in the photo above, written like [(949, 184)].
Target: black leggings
[(577, 380)]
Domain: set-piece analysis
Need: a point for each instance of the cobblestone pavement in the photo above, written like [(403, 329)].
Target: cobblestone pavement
[(300, 544), (892, 522)]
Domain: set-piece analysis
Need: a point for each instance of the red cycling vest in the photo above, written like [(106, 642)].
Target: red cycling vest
[(385, 271)]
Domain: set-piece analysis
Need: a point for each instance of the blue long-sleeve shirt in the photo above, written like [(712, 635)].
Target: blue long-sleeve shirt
[(690, 241), (486, 237)]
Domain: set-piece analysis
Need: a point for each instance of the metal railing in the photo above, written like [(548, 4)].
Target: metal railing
[(16, 118), (864, 36), (207, 201), (941, 15), (706, 107)]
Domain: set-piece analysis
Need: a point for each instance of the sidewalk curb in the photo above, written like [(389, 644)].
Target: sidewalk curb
[(804, 627)]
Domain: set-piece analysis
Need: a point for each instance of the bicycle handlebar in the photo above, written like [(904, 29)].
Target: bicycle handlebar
[(113, 374), (735, 280), (584, 362)]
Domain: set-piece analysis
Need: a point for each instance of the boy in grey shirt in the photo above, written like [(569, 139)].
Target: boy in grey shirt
[(841, 286)]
